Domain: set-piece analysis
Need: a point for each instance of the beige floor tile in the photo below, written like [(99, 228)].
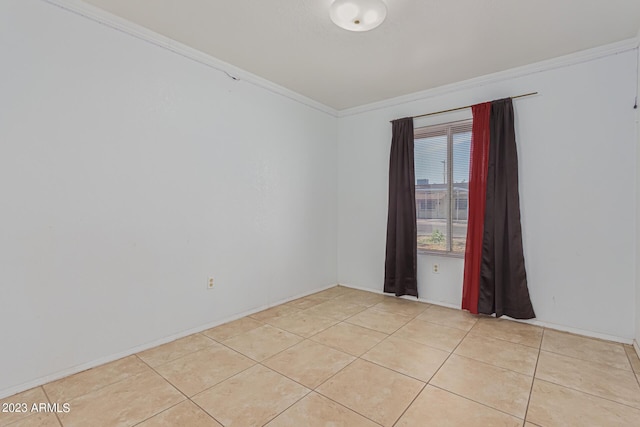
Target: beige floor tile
[(584, 348), (503, 354), (37, 419), (407, 357), (302, 324), (175, 349), (335, 309), (508, 330), (24, 401), (124, 403), (579, 381), (381, 321), (262, 342), (498, 388), (351, 339), (401, 306), (450, 317), (93, 379), (377, 393), (315, 410), (552, 405), (590, 377), (364, 298), (331, 293), (436, 407), (278, 310), (633, 358), (309, 363), (198, 371), (305, 302), (185, 414), (251, 398), (353, 291), (231, 329), (430, 334)]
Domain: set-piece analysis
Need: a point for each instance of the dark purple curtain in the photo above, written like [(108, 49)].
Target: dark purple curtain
[(503, 279), (400, 272)]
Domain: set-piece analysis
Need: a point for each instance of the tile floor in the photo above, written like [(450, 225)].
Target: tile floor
[(344, 357)]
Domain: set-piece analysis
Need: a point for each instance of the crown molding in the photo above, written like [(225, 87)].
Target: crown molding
[(103, 17), (537, 67)]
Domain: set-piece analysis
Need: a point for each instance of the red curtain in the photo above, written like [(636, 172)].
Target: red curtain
[(478, 166)]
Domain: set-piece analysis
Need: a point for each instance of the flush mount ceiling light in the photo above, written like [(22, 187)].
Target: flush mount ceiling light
[(358, 15)]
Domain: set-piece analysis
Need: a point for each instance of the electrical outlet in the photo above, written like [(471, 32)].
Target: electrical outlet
[(210, 283), (436, 268)]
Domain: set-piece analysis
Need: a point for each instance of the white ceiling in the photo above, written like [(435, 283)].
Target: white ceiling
[(422, 44)]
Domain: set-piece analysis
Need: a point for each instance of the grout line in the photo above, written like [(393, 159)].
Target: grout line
[(314, 390), (206, 412), (475, 401), (103, 385), (457, 355), (395, 370), (493, 320), (432, 376), (212, 344), (158, 413), (235, 335), (50, 401), (215, 385), (492, 365), (533, 380), (346, 407), (629, 359), (336, 373), (335, 401), (161, 376), (293, 379), (287, 408), (187, 397), (168, 382), (410, 403), (451, 353), (606, 365), (590, 394)]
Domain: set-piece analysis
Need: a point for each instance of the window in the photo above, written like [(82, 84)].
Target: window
[(442, 186)]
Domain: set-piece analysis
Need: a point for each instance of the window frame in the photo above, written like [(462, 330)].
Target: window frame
[(448, 129)]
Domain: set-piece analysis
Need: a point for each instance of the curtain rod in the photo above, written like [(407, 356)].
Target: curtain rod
[(468, 106)]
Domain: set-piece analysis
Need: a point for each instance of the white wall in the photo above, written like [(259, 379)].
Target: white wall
[(128, 175), (577, 158), (637, 258)]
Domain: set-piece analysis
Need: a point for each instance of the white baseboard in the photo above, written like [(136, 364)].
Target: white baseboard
[(543, 324), (101, 361), (577, 331), (137, 349), (407, 297)]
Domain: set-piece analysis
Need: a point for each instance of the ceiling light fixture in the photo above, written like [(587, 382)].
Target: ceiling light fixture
[(358, 15)]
